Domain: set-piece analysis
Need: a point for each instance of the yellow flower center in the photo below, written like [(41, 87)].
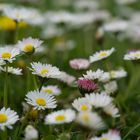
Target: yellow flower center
[(44, 71), (60, 118), (104, 139), (28, 48), (137, 54), (6, 55), (49, 91), (3, 118), (84, 107), (103, 54), (41, 101), (85, 117)]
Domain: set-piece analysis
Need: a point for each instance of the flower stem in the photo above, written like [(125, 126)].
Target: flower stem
[(6, 86)]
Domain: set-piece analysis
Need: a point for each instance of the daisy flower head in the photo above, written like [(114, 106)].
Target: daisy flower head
[(82, 105), (40, 100), (44, 70), (15, 71), (101, 55), (8, 54), (99, 100), (29, 45), (91, 120), (8, 117), (132, 55), (79, 64), (110, 135), (60, 117), (51, 90)]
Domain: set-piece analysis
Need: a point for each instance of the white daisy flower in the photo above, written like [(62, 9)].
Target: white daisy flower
[(82, 104), (99, 100), (60, 117), (101, 55), (111, 110), (8, 54), (110, 135), (51, 90), (91, 120), (28, 45), (8, 117), (116, 74), (12, 70), (40, 100), (111, 87), (45, 70), (132, 55)]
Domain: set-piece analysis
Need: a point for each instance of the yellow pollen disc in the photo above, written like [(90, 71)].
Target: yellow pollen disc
[(41, 101), (3, 118), (84, 107), (137, 54), (103, 54), (49, 91), (6, 55), (85, 117), (60, 118), (28, 48), (44, 71), (113, 74), (104, 139)]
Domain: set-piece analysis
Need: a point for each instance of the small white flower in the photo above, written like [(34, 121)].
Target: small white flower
[(132, 55), (8, 53), (101, 55), (82, 104), (31, 133), (28, 45), (12, 70), (91, 120), (60, 117), (45, 70), (110, 135), (111, 110), (111, 87), (99, 100), (51, 90), (8, 117), (40, 100)]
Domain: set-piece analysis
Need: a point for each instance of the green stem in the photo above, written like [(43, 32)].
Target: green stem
[(16, 32), (6, 86)]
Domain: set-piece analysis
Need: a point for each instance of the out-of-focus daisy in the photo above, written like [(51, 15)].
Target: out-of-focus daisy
[(111, 110), (79, 63), (101, 55), (132, 55), (110, 135), (8, 117), (45, 70), (51, 90), (111, 87), (40, 100), (99, 100), (8, 54), (116, 74), (60, 117), (125, 2), (31, 133), (91, 120), (29, 45), (12, 70), (82, 104)]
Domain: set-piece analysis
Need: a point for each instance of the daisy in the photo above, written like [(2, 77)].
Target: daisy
[(8, 117), (51, 90), (40, 100), (12, 70), (101, 55), (79, 63), (44, 70), (99, 100), (91, 120), (82, 104), (8, 54), (29, 45), (110, 135), (132, 55), (60, 117)]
